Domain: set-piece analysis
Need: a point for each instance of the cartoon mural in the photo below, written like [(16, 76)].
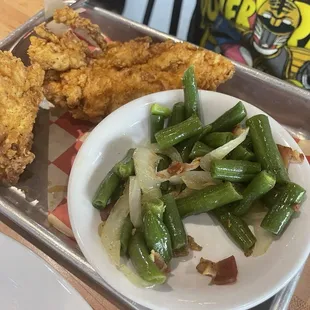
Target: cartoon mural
[(272, 35)]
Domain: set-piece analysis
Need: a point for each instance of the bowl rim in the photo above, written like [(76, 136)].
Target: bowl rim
[(285, 279)]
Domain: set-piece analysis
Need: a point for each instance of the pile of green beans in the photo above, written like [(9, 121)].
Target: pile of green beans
[(252, 171)]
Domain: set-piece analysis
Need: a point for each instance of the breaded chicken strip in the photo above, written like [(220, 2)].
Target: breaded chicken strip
[(123, 72), (20, 95)]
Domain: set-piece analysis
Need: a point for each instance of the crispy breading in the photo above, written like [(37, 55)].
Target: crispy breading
[(126, 71), (71, 18), (20, 95), (61, 54)]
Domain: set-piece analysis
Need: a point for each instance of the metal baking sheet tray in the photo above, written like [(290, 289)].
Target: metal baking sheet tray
[(287, 104)]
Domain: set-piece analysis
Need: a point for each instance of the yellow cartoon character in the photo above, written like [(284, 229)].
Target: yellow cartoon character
[(275, 22)]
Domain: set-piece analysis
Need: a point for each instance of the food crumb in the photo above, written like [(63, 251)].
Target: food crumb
[(192, 244)]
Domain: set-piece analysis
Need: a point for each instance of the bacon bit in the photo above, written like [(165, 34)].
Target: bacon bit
[(192, 244), (177, 168), (289, 155), (222, 272), (296, 207), (159, 262), (104, 214), (184, 251)]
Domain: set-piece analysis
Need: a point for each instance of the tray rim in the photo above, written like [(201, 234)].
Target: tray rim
[(280, 301)]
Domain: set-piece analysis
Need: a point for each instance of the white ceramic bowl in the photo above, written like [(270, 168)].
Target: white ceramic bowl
[(258, 279)]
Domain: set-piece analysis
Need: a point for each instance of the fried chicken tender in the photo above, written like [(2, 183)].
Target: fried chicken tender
[(20, 95), (126, 71)]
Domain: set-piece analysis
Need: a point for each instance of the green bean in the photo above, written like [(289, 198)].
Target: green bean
[(118, 192), (164, 162), (175, 134), (191, 97), (230, 119), (177, 115), (165, 187), (240, 187), (186, 146), (206, 129), (207, 199), (242, 153), (111, 187), (156, 206), (236, 228), (157, 236), (259, 186), (105, 190), (247, 143), (174, 224), (162, 165), (234, 170), (126, 233), (281, 212), (199, 149), (271, 197), (125, 168), (157, 124), (158, 109), (139, 256), (217, 139), (265, 149)]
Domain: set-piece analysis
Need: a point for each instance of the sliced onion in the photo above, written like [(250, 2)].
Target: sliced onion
[(197, 179), (171, 152), (192, 179), (153, 193), (100, 227), (222, 151), (135, 202), (256, 213), (185, 193), (176, 169), (133, 277), (111, 231), (146, 161), (110, 234), (263, 237), (263, 240), (255, 217)]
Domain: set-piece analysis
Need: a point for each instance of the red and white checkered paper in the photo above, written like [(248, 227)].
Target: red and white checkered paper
[(65, 138)]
